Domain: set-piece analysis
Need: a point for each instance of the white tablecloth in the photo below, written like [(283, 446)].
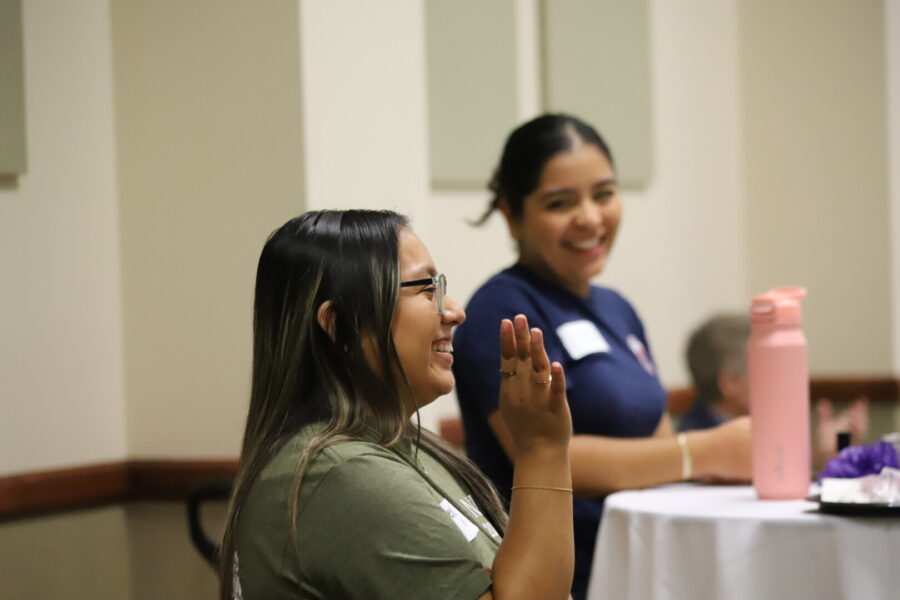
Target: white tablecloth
[(720, 542)]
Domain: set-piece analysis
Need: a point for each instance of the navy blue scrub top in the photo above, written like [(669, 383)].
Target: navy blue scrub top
[(612, 385), (700, 416)]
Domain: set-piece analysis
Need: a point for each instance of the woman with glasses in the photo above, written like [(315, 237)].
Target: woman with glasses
[(556, 188), (339, 493)]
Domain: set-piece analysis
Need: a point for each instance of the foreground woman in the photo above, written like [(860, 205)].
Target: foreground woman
[(338, 494)]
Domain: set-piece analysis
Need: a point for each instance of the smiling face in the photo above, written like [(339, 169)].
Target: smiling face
[(421, 336), (569, 222)]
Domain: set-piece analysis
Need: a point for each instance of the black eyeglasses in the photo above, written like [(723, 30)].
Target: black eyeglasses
[(439, 281)]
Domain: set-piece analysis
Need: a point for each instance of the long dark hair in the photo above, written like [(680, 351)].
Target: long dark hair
[(528, 149), (304, 374)]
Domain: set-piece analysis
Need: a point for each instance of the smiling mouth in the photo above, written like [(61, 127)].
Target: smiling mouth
[(592, 244), (443, 346)]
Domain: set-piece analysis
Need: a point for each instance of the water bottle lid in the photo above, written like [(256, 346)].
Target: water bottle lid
[(779, 305), (791, 291)]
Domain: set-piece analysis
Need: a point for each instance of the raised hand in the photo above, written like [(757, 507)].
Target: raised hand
[(532, 391), (537, 555)]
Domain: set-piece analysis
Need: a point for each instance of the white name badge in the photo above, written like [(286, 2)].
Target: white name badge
[(581, 338), (468, 528), (469, 502)]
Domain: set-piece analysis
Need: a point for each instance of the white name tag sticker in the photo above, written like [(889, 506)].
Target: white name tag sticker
[(468, 528), (469, 502), (581, 338)]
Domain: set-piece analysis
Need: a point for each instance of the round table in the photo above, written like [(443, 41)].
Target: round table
[(721, 542)]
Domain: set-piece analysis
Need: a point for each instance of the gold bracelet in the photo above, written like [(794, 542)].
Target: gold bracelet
[(543, 487), (687, 464)]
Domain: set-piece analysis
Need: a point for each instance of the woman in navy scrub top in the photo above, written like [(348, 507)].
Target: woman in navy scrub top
[(556, 188)]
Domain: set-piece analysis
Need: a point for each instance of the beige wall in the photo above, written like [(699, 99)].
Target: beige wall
[(61, 374), (892, 54), (209, 134), (162, 561), (815, 171), (702, 237), (363, 91), (135, 551), (211, 115), (680, 253), (81, 555)]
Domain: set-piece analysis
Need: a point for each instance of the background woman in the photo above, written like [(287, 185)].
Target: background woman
[(338, 494), (556, 187)]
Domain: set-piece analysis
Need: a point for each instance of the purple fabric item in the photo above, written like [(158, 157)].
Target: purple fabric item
[(858, 461)]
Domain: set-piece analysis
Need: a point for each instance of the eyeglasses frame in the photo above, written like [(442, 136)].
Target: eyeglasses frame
[(439, 281)]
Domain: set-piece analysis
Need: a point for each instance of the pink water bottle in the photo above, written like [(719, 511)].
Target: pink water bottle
[(778, 379)]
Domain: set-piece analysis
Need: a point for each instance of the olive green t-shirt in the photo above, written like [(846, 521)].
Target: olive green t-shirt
[(370, 525)]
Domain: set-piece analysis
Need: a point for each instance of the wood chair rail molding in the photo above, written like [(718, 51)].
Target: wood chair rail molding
[(43, 492), (838, 389)]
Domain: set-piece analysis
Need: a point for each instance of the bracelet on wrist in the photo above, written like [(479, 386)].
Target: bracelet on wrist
[(687, 463), (543, 487)]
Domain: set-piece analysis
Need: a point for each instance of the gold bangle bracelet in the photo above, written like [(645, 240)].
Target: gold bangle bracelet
[(687, 464), (543, 487)]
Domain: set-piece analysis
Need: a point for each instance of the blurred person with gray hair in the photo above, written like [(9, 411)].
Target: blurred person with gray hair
[(716, 359)]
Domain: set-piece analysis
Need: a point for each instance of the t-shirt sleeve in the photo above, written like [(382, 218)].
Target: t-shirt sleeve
[(476, 345), (373, 528)]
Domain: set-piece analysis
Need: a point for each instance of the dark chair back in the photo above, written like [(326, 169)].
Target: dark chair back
[(205, 491)]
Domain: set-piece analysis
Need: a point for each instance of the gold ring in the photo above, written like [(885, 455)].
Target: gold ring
[(506, 373), (549, 379)]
